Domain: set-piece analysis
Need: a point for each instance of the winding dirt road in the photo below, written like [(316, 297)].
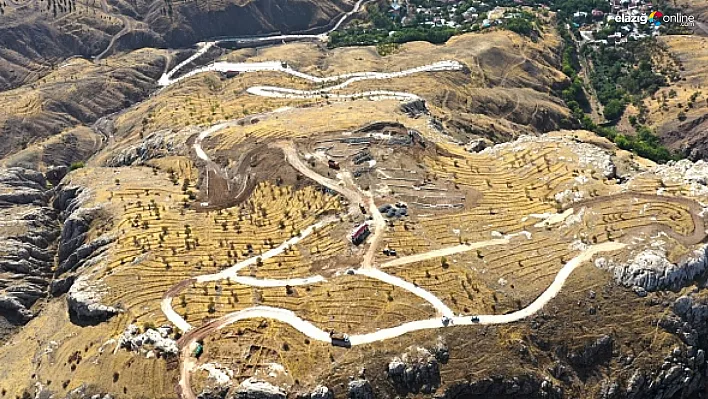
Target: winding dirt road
[(313, 332), (203, 47), (344, 79), (348, 189)]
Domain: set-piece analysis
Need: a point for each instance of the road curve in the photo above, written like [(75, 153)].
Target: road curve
[(314, 332), (698, 235), (367, 269), (440, 307), (344, 79), (205, 46), (232, 272)]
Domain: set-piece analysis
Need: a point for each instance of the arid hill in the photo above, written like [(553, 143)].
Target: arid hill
[(680, 112), (36, 36), (317, 223)]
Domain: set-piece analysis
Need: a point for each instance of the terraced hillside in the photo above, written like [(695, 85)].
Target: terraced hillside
[(297, 221), (679, 112)]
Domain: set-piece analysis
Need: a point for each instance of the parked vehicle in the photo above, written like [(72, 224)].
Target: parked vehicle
[(198, 350), (340, 339)]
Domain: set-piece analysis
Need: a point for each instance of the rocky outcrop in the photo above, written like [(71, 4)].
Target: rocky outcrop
[(253, 389), (478, 144), (82, 255), (213, 393), (20, 186), (31, 231), (156, 145), (593, 353), (84, 300), (322, 392), (525, 386), (690, 320), (360, 389), (681, 375), (28, 230), (155, 341), (589, 156), (55, 174), (414, 108), (684, 172), (73, 233), (415, 371), (651, 271), (683, 371), (74, 252)]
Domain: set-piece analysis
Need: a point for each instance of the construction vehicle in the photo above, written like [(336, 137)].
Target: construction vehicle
[(198, 350), (340, 339)]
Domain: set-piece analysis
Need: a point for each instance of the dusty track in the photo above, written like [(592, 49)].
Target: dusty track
[(354, 195), (699, 234), (205, 46)]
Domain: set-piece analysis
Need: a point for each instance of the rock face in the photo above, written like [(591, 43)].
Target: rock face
[(414, 108), (415, 371), (28, 230), (592, 353), (479, 144), (156, 145), (525, 386), (360, 389), (651, 271), (213, 393), (682, 375), (252, 389), (695, 174), (322, 392), (156, 340), (84, 300), (690, 320)]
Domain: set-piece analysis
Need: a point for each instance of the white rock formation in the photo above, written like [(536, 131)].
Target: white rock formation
[(84, 300), (151, 340), (218, 374), (692, 174), (254, 389), (322, 392), (588, 155), (651, 271)]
